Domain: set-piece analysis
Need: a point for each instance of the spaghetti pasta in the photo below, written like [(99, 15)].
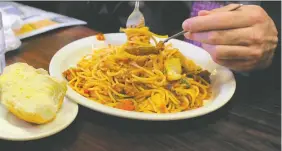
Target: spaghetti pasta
[(165, 82)]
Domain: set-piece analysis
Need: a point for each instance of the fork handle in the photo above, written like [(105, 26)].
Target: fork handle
[(136, 4), (176, 35)]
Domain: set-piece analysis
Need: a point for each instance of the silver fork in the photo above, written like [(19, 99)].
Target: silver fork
[(136, 18)]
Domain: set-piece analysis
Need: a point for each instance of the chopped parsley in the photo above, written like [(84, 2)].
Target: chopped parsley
[(184, 81)]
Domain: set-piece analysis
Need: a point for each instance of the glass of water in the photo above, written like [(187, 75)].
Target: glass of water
[(2, 46)]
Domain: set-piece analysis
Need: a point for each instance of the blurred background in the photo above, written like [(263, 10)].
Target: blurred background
[(108, 16)]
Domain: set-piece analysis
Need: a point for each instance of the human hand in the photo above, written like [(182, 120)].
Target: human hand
[(242, 40)]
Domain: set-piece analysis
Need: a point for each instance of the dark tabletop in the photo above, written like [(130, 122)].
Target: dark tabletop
[(251, 121)]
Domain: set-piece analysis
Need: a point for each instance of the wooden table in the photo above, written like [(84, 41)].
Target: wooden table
[(250, 122)]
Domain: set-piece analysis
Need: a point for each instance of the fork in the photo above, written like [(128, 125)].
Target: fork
[(146, 50), (136, 18)]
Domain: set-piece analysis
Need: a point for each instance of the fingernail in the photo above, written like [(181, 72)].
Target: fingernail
[(186, 25)]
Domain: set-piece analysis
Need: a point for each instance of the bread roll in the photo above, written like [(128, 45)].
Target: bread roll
[(31, 94)]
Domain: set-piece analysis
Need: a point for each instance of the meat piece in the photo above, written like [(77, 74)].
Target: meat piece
[(205, 74), (67, 75), (130, 90), (141, 51)]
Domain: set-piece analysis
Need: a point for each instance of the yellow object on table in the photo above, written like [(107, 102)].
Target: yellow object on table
[(31, 94)]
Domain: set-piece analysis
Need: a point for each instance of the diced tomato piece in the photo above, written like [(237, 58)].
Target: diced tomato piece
[(126, 105), (163, 108), (100, 36), (86, 91)]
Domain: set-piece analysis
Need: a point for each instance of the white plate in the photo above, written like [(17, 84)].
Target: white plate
[(223, 82), (13, 128)]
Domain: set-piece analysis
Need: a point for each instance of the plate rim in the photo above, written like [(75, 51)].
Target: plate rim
[(129, 114), (48, 134)]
